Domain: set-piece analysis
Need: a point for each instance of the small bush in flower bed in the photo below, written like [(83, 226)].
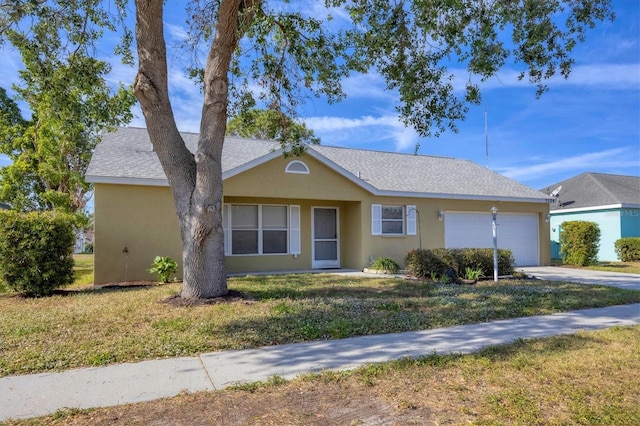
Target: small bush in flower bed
[(385, 264), (423, 263)]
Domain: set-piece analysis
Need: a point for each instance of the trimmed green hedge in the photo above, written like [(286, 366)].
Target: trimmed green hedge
[(425, 263), (36, 251), (628, 249), (579, 242)]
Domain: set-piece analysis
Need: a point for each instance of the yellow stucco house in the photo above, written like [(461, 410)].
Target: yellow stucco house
[(331, 208)]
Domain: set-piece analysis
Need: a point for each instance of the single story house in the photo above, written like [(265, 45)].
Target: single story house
[(84, 241), (331, 208), (611, 201)]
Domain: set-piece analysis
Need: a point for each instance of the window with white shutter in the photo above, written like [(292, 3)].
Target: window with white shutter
[(393, 220), (411, 220), (376, 219), (294, 230)]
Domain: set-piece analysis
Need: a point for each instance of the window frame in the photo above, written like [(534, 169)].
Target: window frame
[(291, 229), (290, 168), (408, 220), (388, 220)]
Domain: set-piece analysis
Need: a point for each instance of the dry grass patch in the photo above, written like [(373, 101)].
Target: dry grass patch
[(590, 378), (93, 327), (624, 267)]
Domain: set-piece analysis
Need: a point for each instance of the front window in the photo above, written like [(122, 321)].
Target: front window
[(259, 229), (392, 220), (274, 229)]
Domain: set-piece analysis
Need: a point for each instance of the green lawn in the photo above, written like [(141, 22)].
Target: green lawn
[(82, 270), (624, 267), (90, 327)]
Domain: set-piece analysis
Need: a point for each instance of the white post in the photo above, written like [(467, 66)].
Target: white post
[(494, 227)]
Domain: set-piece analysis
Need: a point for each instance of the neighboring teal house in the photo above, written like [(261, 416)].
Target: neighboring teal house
[(611, 201)]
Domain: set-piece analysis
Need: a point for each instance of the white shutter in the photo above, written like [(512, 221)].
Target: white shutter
[(226, 226), (376, 219), (294, 230), (411, 220)]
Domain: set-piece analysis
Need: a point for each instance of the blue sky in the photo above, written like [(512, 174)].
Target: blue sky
[(590, 122)]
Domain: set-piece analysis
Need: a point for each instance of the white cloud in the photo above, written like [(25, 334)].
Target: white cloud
[(618, 157), (603, 76), (611, 76), (371, 85), (176, 32), (366, 130), (341, 123)]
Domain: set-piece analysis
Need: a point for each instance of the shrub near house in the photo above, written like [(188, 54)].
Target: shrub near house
[(628, 249), (425, 263), (36, 251), (579, 242)]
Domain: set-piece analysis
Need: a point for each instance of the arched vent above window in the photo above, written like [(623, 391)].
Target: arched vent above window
[(297, 166)]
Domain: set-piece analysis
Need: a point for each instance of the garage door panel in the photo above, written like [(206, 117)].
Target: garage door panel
[(516, 232)]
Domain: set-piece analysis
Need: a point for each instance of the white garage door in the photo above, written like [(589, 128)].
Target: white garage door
[(516, 232)]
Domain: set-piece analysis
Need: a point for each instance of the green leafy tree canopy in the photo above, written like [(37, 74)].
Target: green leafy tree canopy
[(64, 87), (272, 125)]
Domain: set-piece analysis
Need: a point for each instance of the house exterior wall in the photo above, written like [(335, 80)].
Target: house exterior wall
[(431, 230), (142, 219), (133, 225), (349, 237), (269, 180), (630, 223), (613, 224)]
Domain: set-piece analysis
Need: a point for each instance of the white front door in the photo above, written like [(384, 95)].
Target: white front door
[(326, 243)]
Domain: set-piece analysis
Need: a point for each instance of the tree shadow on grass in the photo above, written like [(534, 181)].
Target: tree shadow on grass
[(108, 288), (312, 286)]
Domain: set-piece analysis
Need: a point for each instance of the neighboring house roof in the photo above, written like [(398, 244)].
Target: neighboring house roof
[(596, 190), (127, 157)]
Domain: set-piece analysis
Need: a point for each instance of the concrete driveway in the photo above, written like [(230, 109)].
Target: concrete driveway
[(584, 276)]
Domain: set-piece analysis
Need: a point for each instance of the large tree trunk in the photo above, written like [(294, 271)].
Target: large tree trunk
[(195, 180)]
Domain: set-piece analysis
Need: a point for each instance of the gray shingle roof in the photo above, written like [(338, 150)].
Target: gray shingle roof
[(596, 189), (397, 172), (128, 155)]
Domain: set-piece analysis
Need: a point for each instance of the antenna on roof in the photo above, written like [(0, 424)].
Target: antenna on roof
[(486, 137), (556, 195)]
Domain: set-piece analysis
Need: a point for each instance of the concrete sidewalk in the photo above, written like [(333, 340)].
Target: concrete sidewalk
[(42, 394)]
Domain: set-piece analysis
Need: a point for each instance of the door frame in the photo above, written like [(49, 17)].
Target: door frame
[(321, 264)]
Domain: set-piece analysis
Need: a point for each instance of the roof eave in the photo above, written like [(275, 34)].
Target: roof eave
[(596, 208), (469, 197), (126, 180)]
